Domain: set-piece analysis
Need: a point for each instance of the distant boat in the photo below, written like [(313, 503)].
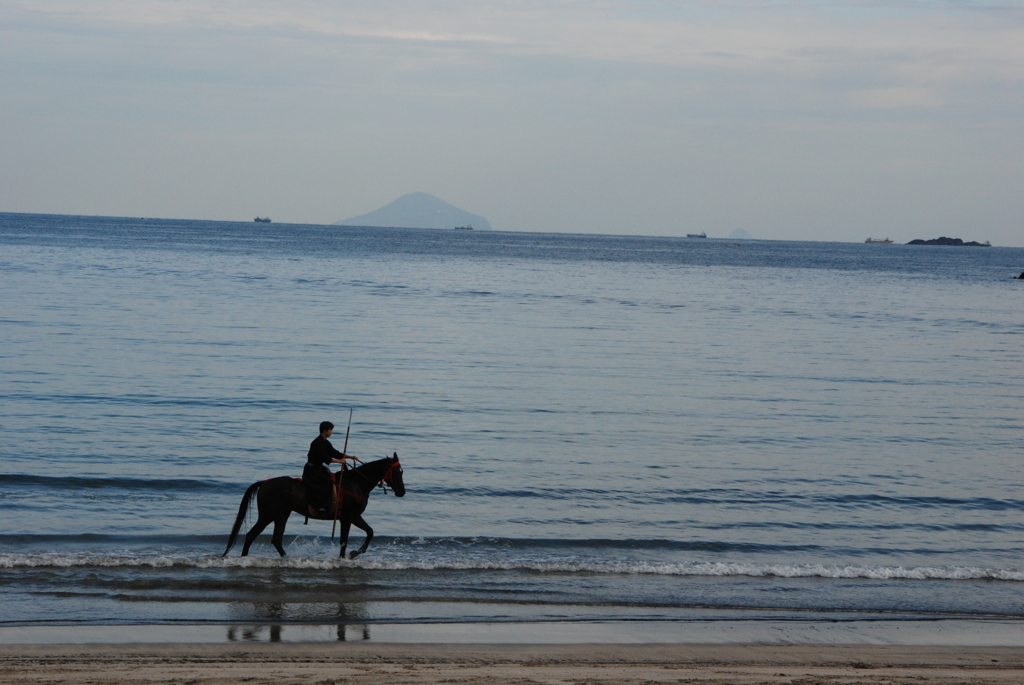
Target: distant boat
[(263, 220), (697, 235), (872, 241), (467, 227)]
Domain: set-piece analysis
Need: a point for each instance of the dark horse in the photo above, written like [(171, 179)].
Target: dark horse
[(277, 498)]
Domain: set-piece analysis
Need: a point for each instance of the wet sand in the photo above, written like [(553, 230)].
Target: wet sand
[(408, 664)]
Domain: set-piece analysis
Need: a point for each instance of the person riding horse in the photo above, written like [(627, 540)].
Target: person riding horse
[(277, 498), (315, 475)]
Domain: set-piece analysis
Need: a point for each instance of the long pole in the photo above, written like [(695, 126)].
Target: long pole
[(344, 449), (337, 508)]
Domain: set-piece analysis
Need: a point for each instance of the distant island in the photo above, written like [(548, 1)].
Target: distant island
[(740, 234), (954, 242), (419, 210)]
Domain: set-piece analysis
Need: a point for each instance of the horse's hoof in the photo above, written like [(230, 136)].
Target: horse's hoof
[(353, 555)]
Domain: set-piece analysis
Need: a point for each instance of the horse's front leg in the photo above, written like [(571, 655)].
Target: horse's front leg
[(360, 523), (343, 536)]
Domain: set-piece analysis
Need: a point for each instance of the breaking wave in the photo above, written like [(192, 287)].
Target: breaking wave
[(754, 570)]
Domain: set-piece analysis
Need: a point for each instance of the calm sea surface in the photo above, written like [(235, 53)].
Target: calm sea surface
[(591, 427)]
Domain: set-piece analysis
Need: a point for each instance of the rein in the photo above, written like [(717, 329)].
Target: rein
[(380, 481)]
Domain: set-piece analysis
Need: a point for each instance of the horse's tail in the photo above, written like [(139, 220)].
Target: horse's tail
[(242, 509)]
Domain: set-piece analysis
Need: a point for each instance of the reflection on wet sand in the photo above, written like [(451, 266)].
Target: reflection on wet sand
[(273, 633), (344, 621), (346, 632), (254, 633)]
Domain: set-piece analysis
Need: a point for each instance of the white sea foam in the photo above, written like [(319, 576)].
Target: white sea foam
[(58, 560)]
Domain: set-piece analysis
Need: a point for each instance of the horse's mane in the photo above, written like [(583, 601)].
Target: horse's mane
[(368, 464)]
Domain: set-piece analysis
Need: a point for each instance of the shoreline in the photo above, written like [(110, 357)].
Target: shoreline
[(419, 664), (954, 633)]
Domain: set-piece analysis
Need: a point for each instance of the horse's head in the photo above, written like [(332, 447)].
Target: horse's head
[(393, 477)]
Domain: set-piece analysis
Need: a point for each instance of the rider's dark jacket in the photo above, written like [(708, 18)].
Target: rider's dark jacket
[(316, 475)]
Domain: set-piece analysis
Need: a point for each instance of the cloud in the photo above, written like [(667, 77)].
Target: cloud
[(907, 45), (894, 98), (392, 21)]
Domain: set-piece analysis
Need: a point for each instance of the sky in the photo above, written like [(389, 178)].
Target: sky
[(792, 120)]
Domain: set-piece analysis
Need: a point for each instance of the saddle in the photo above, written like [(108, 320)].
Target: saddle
[(329, 515)]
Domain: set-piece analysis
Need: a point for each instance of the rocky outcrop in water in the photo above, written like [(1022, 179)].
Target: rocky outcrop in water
[(954, 242)]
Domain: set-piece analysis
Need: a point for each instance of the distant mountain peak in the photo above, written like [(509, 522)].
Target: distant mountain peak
[(418, 210), (740, 234)]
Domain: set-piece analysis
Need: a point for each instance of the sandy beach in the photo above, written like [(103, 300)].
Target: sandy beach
[(373, 664)]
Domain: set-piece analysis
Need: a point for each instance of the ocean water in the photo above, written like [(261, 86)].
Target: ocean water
[(592, 428)]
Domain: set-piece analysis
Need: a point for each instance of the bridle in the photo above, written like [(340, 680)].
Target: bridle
[(386, 478)]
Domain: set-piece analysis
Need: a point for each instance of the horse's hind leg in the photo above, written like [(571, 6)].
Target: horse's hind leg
[(255, 531), (278, 536)]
